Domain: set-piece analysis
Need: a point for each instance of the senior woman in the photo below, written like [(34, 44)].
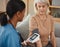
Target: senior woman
[(42, 21)]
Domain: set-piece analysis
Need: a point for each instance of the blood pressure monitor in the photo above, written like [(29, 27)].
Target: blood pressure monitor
[(34, 38)]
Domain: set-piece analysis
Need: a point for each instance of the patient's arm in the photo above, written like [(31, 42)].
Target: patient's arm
[(38, 43), (52, 35), (32, 26), (53, 39)]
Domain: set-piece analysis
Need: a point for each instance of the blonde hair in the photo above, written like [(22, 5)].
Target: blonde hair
[(42, 1)]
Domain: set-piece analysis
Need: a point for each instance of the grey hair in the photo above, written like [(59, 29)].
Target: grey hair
[(42, 1)]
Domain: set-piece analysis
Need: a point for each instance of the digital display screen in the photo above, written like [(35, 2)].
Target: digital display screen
[(33, 36)]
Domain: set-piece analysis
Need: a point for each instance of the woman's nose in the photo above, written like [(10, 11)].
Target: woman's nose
[(41, 8)]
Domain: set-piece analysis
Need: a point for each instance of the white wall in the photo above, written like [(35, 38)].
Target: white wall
[(3, 5), (25, 1), (31, 7)]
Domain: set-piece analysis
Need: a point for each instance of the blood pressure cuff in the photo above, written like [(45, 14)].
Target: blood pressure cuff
[(35, 31), (33, 44)]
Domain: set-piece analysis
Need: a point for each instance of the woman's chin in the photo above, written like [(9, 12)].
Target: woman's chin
[(20, 20), (42, 13)]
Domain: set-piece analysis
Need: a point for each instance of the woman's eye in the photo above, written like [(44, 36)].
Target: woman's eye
[(39, 6), (43, 6)]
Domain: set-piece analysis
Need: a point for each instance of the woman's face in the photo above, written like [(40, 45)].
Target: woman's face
[(21, 15), (41, 8)]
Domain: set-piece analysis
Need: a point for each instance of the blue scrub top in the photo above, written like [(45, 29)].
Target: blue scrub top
[(9, 37)]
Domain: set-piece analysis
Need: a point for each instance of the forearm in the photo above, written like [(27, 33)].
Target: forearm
[(38, 43), (53, 42)]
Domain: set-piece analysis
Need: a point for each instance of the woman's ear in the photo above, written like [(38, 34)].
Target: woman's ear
[(18, 14)]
